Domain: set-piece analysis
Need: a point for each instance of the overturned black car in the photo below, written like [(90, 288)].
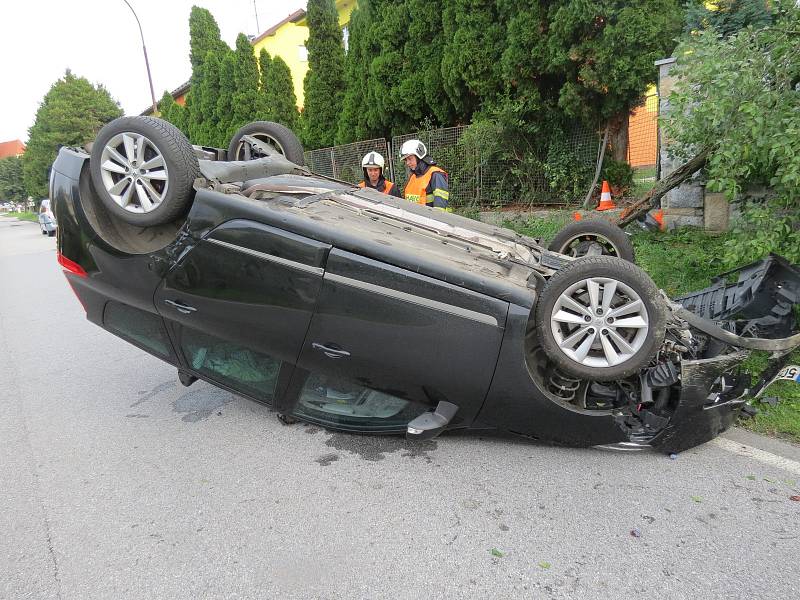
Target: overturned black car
[(357, 311)]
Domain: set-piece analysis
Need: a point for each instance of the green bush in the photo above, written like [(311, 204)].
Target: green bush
[(764, 227), (619, 175)]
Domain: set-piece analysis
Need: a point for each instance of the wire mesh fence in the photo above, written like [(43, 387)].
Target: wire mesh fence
[(344, 162), (643, 144), (457, 159), (482, 171)]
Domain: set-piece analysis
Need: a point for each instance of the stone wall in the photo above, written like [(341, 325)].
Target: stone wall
[(688, 204)]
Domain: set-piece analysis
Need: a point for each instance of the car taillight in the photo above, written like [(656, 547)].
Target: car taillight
[(71, 266)]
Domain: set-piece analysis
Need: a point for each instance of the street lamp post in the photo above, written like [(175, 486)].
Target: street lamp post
[(146, 62)]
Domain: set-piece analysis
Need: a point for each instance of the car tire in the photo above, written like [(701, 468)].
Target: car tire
[(51, 233), (144, 169), (590, 335), (593, 237), (276, 135)]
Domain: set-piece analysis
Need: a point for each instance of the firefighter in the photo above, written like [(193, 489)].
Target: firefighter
[(372, 165), (428, 183)]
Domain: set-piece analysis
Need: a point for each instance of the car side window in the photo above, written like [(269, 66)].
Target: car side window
[(143, 329), (338, 402), (241, 368)]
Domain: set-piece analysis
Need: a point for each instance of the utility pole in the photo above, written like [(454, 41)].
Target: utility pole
[(255, 10), (146, 62)]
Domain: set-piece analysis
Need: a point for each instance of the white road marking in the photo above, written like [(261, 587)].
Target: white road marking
[(760, 455)]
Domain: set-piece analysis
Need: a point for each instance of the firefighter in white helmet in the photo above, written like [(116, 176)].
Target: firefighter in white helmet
[(428, 183), (372, 165)]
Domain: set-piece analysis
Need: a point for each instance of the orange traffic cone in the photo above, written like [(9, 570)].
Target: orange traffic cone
[(576, 216), (606, 203), (658, 215)]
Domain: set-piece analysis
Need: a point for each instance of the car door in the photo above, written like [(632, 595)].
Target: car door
[(240, 303), (402, 335)]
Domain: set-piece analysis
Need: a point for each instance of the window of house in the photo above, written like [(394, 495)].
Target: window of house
[(302, 53)]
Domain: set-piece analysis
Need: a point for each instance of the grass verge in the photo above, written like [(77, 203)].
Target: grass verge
[(23, 216)]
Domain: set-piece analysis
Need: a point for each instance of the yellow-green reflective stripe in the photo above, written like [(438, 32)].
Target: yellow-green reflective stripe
[(444, 194)]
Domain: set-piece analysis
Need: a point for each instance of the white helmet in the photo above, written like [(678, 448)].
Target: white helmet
[(414, 147), (373, 159)]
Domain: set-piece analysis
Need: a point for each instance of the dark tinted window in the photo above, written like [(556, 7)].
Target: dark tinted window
[(333, 401), (251, 372), (143, 328)]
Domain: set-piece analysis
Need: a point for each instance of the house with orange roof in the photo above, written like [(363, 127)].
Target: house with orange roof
[(11, 148)]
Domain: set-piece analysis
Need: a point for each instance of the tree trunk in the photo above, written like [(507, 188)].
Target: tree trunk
[(618, 137), (674, 179)]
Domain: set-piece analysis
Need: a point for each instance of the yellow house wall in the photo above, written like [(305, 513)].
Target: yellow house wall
[(286, 43)]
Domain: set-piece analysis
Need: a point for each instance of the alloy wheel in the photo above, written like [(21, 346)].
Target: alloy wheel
[(599, 322), (134, 172)]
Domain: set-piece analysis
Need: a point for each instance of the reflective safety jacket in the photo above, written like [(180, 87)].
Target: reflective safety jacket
[(384, 185), (428, 186)]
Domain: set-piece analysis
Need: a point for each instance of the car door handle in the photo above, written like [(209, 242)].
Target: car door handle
[(329, 351), (183, 308)]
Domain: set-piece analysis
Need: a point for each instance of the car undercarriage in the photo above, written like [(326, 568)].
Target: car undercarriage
[(367, 313)]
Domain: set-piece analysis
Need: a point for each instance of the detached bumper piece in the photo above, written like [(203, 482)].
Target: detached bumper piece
[(760, 303), (430, 424)]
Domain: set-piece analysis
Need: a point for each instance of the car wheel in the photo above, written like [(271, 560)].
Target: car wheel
[(600, 318), (593, 237), (281, 138), (144, 169), (44, 231), (51, 233)]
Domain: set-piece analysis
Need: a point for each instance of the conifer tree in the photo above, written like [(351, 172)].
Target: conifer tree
[(265, 69), (12, 183), (324, 82), (171, 111), (386, 104), (475, 33), (353, 122), (424, 52), (202, 125), (248, 104), (207, 93), (204, 36), (280, 97), (224, 109), (71, 114)]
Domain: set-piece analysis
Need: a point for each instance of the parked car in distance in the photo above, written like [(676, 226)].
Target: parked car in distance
[(47, 220)]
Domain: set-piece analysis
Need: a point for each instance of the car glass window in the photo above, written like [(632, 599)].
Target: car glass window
[(142, 328), (333, 401), (241, 368)]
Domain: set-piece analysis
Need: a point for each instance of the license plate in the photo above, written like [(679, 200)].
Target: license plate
[(790, 373)]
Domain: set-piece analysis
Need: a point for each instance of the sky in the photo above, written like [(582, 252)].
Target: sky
[(99, 40)]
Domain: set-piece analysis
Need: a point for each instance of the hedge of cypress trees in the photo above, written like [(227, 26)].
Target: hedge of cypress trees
[(324, 82)]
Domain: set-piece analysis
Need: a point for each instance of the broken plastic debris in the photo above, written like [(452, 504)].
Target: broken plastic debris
[(496, 552), (673, 456), (795, 498), (636, 532), (771, 400), (545, 565)]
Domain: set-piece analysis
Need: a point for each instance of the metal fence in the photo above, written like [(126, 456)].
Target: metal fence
[(344, 162), (483, 172), (643, 144)]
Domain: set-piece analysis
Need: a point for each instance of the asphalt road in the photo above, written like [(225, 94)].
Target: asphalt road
[(116, 482)]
